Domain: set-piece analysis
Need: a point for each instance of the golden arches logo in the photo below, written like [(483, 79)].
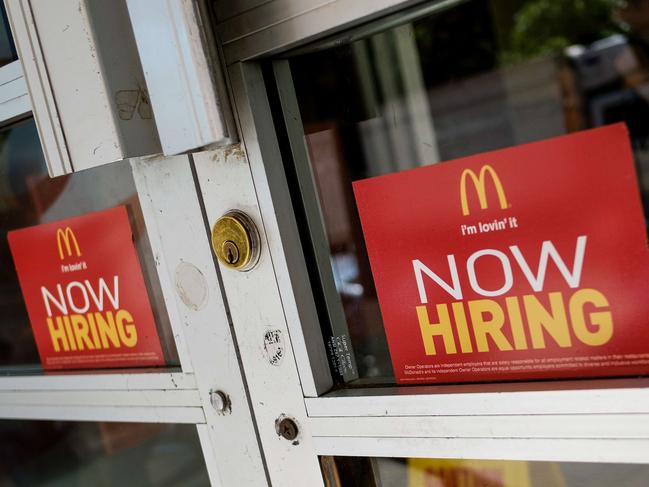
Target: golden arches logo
[(479, 183), (66, 237)]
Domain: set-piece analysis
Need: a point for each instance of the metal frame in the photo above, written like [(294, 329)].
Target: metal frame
[(41, 96), (220, 343), (610, 396), (273, 199), (152, 396), (185, 86), (272, 26), (550, 421), (256, 309), (14, 98), (201, 330), (585, 420), (199, 322), (142, 380), (74, 78), (197, 311), (197, 314)]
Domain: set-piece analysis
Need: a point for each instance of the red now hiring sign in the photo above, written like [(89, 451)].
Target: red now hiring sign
[(527, 262), (85, 293)]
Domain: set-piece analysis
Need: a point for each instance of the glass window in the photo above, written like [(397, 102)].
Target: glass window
[(475, 76), (424, 472), (7, 47), (29, 197), (55, 453)]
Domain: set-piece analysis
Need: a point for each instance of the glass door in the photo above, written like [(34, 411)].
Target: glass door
[(438, 82), (117, 361)]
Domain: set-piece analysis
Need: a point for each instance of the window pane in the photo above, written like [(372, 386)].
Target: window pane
[(54, 453), (7, 47), (477, 76), (423, 472), (29, 197)]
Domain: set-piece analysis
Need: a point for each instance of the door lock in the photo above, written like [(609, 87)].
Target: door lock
[(235, 241)]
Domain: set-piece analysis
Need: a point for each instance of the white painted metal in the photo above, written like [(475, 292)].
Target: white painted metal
[(281, 24), (281, 229), (571, 437), (183, 83), (10, 72), (99, 381), (593, 426), (256, 309), (591, 397), (14, 98), (555, 449), (209, 455), (201, 329), (197, 313), (178, 240), (95, 82), (132, 414), (167, 398), (156, 226), (41, 95), (563, 421)]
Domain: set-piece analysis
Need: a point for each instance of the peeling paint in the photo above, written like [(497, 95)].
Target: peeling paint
[(191, 286), (236, 151)]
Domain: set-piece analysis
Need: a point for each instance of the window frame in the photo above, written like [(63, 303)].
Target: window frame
[(585, 420), (14, 97), (579, 420), (207, 352)]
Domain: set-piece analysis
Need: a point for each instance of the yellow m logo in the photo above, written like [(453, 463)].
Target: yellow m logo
[(66, 237), (479, 183)]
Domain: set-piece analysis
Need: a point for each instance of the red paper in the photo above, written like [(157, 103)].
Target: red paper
[(489, 313), (85, 294)]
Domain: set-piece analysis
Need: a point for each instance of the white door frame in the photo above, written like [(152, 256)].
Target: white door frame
[(585, 421), (594, 421), (201, 329), (199, 321)]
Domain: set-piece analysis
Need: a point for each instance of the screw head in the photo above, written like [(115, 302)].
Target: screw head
[(220, 402), (288, 429)]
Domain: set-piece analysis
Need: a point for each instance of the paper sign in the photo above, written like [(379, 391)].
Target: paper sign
[(85, 293), (527, 262)]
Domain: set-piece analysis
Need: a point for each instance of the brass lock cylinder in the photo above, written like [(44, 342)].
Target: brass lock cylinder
[(235, 241)]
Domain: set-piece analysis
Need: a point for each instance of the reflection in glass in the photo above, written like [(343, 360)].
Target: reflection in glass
[(29, 197), (53, 453), (477, 76), (425, 472), (7, 47)]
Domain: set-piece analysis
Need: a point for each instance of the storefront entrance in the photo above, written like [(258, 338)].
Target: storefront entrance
[(264, 263)]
